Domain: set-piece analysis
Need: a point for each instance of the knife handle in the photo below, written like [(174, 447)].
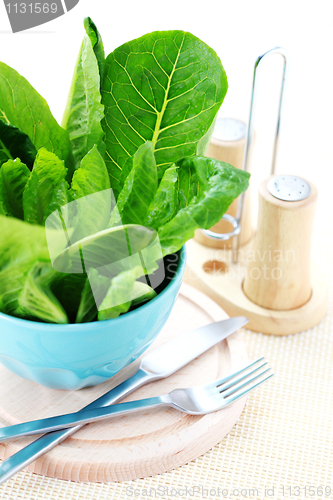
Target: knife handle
[(82, 417), (45, 443)]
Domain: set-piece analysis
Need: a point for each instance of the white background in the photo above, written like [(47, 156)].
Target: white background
[(238, 30)]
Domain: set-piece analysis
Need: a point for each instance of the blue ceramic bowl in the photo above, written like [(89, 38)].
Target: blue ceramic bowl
[(75, 356)]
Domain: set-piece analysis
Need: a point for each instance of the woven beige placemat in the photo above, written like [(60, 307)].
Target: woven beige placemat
[(281, 446)]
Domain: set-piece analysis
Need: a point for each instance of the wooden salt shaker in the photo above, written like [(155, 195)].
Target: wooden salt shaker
[(278, 273)]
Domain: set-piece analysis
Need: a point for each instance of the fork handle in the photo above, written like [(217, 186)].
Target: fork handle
[(82, 417), (43, 444)]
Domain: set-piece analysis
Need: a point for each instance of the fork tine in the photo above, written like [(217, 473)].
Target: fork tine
[(232, 375), (236, 387), (237, 395), (234, 381)]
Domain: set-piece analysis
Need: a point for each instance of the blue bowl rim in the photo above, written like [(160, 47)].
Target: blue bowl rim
[(100, 324)]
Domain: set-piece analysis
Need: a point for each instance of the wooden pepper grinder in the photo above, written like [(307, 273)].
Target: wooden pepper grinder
[(228, 145), (278, 273)]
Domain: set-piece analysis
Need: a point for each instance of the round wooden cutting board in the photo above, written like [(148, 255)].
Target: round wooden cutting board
[(138, 445)]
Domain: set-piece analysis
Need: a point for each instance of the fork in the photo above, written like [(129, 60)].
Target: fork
[(194, 401)]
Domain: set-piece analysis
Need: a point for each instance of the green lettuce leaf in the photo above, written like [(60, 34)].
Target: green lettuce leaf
[(113, 250), (119, 296), (68, 288), (12, 280), (165, 202), (36, 299), (23, 107), (61, 197), (84, 111), (97, 44), (93, 212), (21, 242), (47, 189), (15, 144), (133, 247), (165, 87), (206, 189), (87, 310), (142, 293), (140, 186), (124, 288), (14, 176), (25, 272)]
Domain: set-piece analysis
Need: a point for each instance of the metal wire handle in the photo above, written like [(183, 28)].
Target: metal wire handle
[(236, 221), (224, 236)]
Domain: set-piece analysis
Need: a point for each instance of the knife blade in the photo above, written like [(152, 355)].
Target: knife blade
[(179, 351), (160, 363)]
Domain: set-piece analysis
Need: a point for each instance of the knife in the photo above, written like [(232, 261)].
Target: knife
[(160, 363)]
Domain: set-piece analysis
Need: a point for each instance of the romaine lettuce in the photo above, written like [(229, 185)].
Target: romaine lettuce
[(122, 185)]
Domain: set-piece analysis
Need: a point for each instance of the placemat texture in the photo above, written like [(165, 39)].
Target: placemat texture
[(283, 439)]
